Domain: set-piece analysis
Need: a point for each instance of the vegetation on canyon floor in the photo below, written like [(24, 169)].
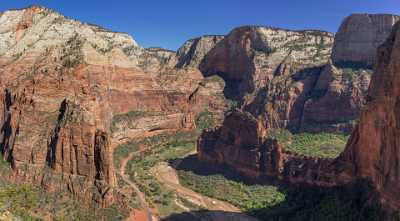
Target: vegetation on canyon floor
[(326, 145), (247, 197), (270, 202), (345, 203), (267, 202), (64, 79), (29, 203), (122, 151), (280, 202), (159, 148)]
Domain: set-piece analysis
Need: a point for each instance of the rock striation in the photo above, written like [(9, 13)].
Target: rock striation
[(192, 52), (64, 85), (249, 57), (242, 143), (359, 36), (372, 152), (70, 92), (341, 89), (373, 149), (336, 100), (290, 78)]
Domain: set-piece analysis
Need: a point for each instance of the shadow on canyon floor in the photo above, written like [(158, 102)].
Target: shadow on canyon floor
[(209, 216), (192, 164), (354, 202)]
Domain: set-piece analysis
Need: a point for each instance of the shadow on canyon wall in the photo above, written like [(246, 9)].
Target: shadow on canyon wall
[(355, 202)]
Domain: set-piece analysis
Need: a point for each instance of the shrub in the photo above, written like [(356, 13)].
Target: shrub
[(131, 116), (162, 148), (328, 145), (205, 120), (122, 151), (244, 196)]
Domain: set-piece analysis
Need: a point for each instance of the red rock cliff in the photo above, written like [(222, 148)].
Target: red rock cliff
[(290, 78), (243, 144), (64, 85), (373, 149)]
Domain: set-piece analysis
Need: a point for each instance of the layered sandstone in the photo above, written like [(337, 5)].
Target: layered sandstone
[(62, 85), (359, 36), (371, 153), (336, 100), (65, 85), (249, 57), (193, 51), (290, 78), (342, 86), (235, 143), (242, 143), (373, 149)]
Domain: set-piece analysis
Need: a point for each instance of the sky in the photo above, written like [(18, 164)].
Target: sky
[(169, 23)]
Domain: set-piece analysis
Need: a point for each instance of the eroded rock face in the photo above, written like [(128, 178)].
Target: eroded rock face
[(290, 78), (236, 143), (373, 149), (77, 147), (62, 84), (243, 144), (157, 59), (249, 57), (341, 90), (359, 36), (372, 152), (192, 52), (335, 102)]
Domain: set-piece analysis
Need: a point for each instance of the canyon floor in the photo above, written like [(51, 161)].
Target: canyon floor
[(172, 184), (259, 124), (166, 182)]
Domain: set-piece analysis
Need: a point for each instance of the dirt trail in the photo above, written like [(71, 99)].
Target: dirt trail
[(137, 215), (167, 175), (140, 195), (185, 208), (218, 210)]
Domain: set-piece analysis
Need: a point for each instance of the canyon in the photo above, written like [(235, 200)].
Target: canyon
[(66, 85), (72, 94), (243, 141)]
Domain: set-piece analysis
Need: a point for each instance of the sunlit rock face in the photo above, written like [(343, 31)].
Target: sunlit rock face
[(63, 83), (251, 56), (372, 152), (193, 51), (341, 89), (359, 36), (373, 149), (291, 78), (270, 71), (242, 143)]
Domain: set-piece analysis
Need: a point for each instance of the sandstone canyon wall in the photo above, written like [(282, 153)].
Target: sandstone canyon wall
[(64, 85), (373, 149), (359, 36), (290, 78), (372, 152), (242, 143), (70, 92), (341, 89), (303, 96)]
